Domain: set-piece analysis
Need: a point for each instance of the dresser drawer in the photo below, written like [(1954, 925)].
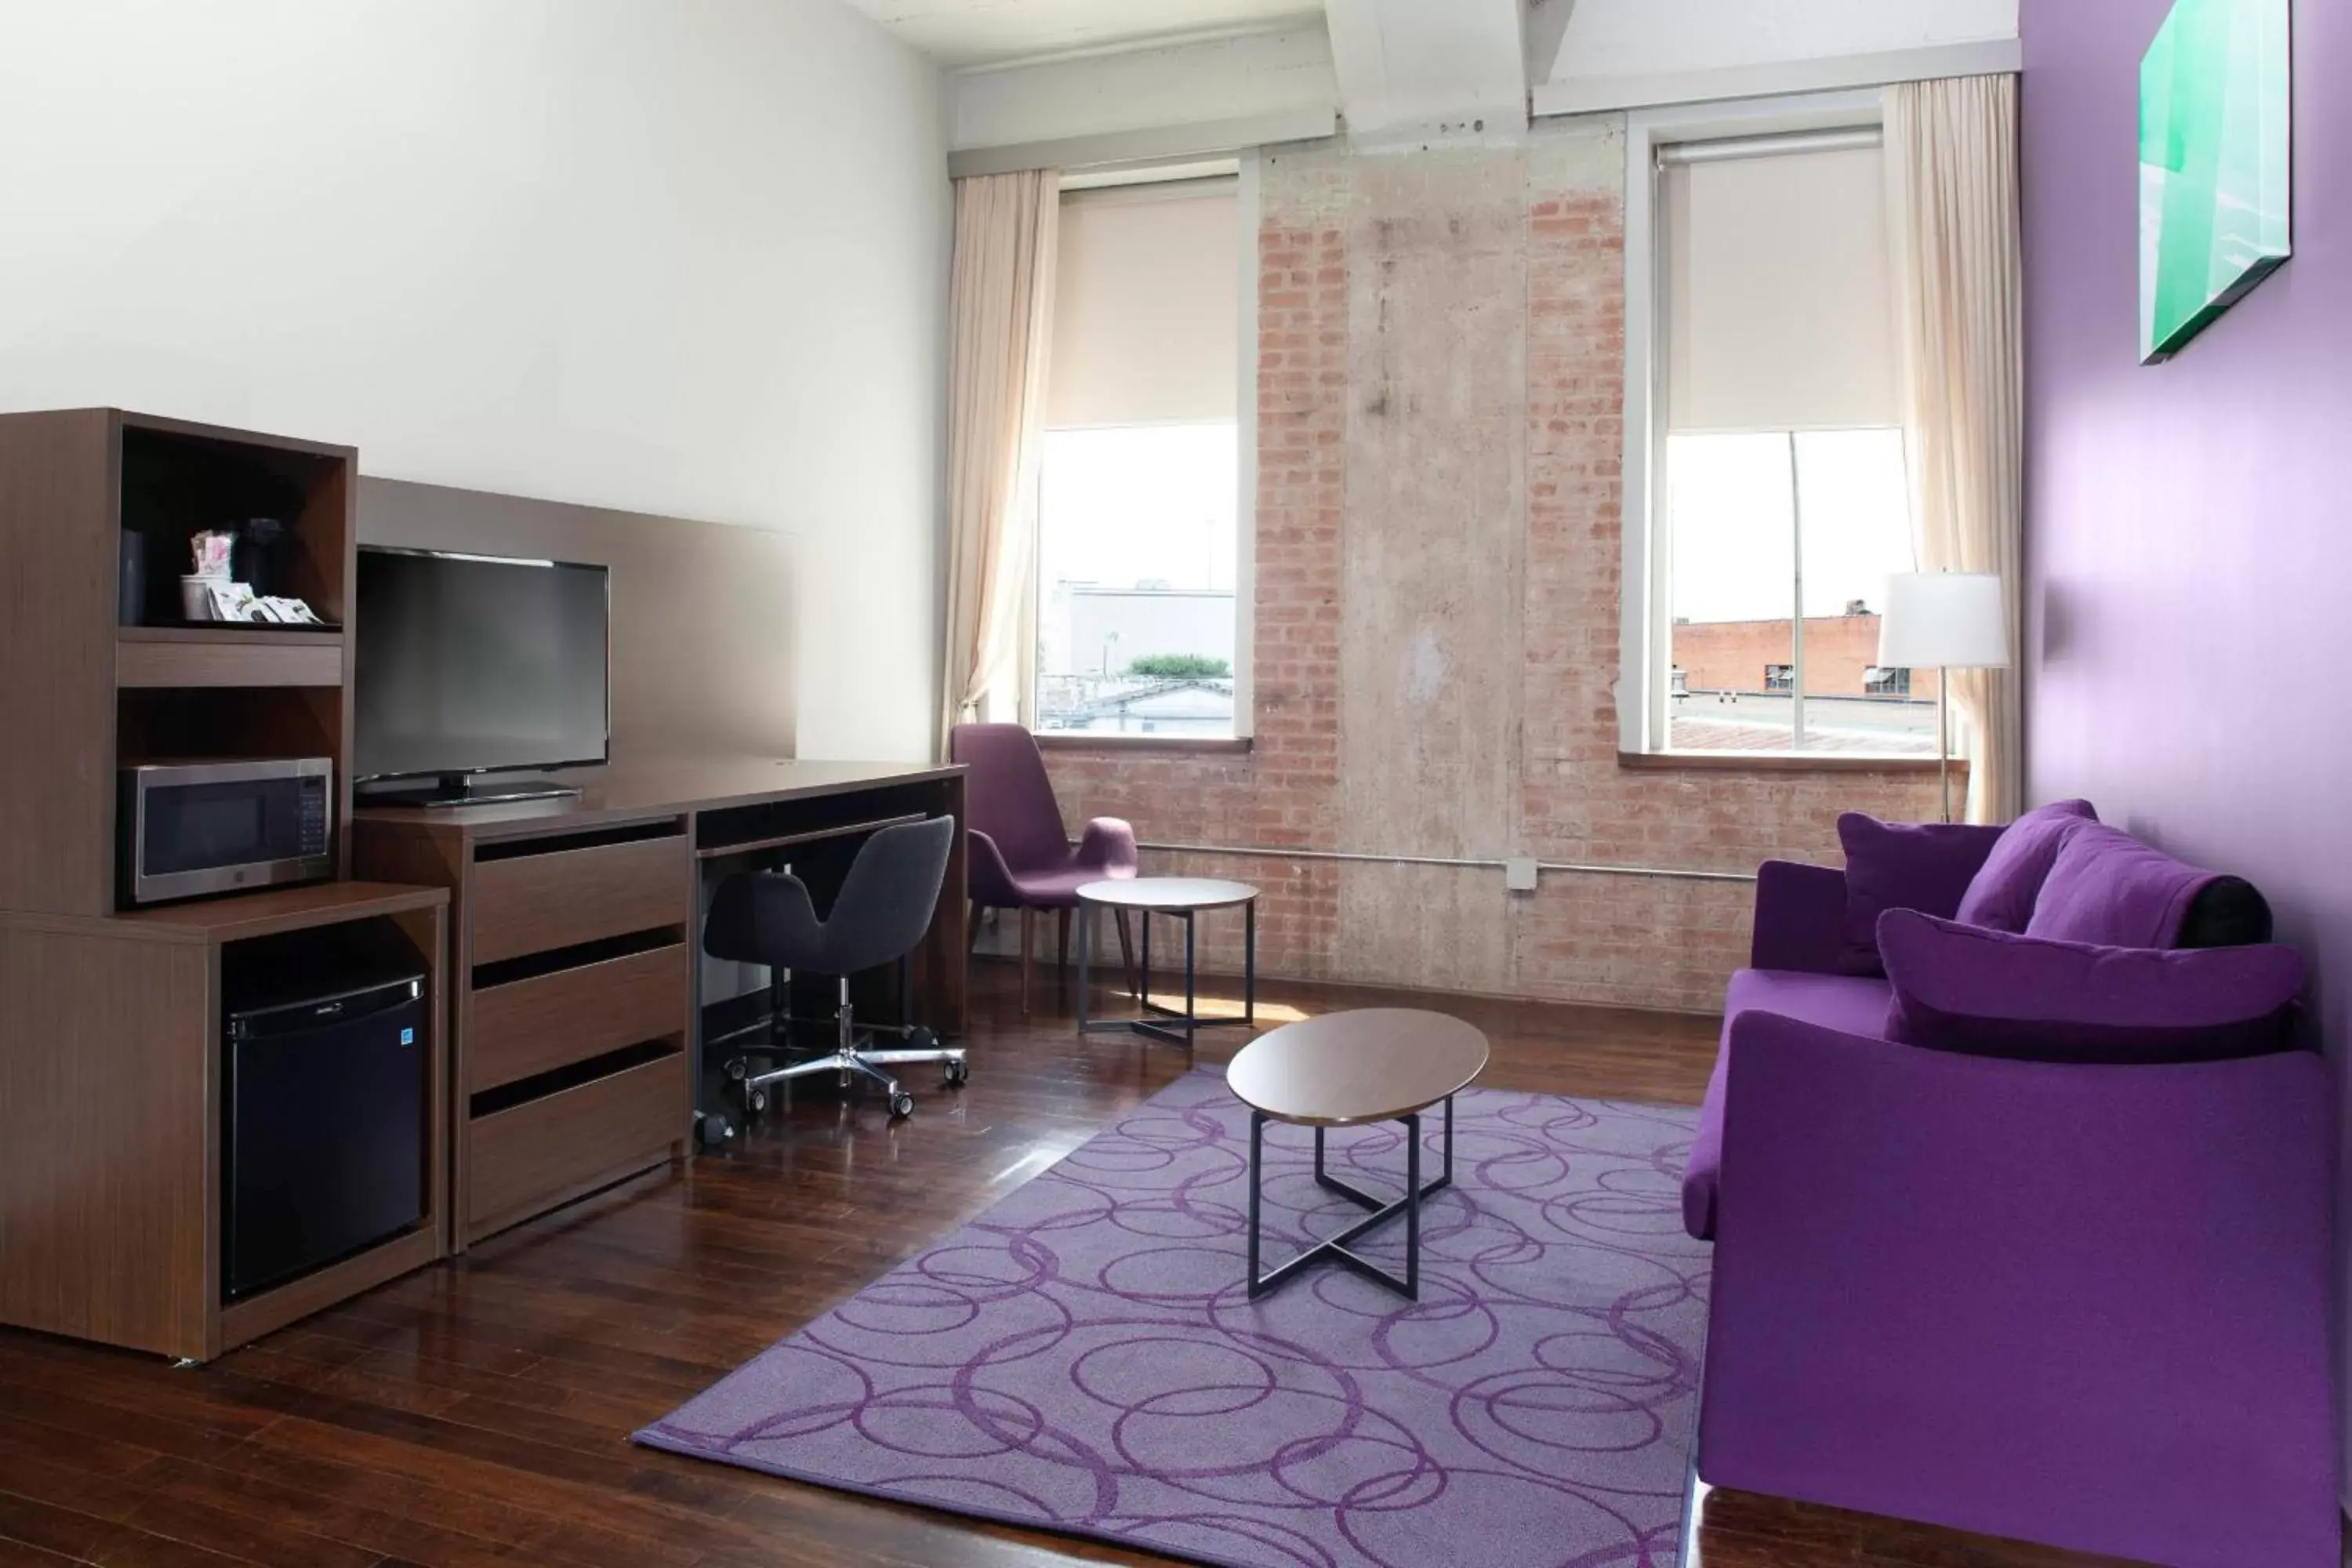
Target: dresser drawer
[(536, 902), (549, 1021), (549, 1151)]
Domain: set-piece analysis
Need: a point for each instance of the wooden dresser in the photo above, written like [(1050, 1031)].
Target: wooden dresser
[(571, 1002), (574, 987)]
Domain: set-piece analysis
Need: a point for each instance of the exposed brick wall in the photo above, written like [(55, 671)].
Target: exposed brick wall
[(1440, 435), (1285, 791)]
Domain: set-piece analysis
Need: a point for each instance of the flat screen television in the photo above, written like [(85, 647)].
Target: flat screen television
[(478, 665)]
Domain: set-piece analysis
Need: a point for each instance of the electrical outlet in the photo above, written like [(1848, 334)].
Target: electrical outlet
[(1520, 874)]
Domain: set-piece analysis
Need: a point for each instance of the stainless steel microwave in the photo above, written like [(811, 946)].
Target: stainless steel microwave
[(184, 828)]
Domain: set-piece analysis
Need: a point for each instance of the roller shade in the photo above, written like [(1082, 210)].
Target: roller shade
[(1147, 312), (1779, 311)]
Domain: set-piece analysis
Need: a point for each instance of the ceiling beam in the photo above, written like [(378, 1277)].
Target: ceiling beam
[(1213, 81), (1776, 79), (1157, 144), (1418, 67), (1546, 32)]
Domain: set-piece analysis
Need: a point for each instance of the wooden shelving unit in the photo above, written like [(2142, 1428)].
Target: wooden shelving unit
[(85, 693), (187, 657), (274, 911), (110, 1049)]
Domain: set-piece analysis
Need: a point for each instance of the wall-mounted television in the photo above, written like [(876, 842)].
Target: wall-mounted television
[(469, 665)]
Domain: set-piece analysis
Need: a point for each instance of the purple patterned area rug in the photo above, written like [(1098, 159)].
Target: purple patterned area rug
[(1084, 1357)]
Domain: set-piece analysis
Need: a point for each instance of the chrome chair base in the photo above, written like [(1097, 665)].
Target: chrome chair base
[(853, 1059)]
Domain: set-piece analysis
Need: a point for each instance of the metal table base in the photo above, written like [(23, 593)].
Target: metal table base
[(1182, 1024), (1336, 1248)]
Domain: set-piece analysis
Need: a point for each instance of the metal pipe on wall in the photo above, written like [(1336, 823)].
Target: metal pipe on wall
[(1570, 868)]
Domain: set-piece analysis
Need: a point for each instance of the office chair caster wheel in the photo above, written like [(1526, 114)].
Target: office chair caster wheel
[(738, 1069), (958, 1074), (755, 1100), (923, 1039), (902, 1104)]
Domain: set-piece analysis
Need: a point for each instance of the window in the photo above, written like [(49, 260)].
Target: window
[(1137, 613), (1780, 499)]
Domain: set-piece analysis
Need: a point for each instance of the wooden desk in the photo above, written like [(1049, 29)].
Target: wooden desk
[(574, 994)]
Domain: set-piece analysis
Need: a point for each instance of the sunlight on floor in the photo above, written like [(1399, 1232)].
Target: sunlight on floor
[(1031, 1164), (1269, 1014)]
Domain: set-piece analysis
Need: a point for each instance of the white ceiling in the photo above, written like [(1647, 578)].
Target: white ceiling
[(983, 32)]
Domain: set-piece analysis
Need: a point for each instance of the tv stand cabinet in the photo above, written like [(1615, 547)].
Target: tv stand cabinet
[(574, 994)]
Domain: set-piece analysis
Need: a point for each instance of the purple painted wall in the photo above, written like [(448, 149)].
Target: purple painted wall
[(2188, 525)]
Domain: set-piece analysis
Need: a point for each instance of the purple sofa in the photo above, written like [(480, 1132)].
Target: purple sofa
[(2079, 1300)]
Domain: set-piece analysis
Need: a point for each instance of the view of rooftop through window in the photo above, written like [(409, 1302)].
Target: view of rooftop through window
[(1751, 668), (1137, 543)]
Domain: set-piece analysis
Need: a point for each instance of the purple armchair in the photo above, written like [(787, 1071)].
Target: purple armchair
[(1021, 855), (2079, 1304)]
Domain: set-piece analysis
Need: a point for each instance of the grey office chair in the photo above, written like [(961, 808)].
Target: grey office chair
[(883, 909)]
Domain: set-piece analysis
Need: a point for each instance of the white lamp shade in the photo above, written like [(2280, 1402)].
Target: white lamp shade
[(1944, 620)]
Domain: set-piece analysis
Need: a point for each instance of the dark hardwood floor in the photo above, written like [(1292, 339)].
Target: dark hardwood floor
[(478, 1412)]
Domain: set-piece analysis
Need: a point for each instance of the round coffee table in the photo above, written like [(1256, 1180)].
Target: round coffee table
[(1345, 1070), (1181, 897)]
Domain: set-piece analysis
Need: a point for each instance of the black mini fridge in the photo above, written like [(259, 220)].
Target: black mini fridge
[(324, 1135)]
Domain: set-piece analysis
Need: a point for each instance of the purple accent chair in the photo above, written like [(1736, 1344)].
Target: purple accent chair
[(2077, 1302), (1021, 855)]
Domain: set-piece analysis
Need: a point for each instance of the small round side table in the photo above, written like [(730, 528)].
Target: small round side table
[(1346, 1069), (1183, 898)]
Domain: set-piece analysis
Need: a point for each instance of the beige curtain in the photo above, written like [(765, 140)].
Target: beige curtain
[(1952, 204), (1000, 323)]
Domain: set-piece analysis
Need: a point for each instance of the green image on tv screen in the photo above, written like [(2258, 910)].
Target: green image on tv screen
[(2214, 90)]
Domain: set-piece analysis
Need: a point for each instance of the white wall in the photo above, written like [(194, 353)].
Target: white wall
[(683, 257)]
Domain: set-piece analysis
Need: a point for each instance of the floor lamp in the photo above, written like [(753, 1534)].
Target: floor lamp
[(1944, 621)]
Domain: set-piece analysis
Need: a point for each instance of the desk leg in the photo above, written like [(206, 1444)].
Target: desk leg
[(698, 1104), (943, 984)]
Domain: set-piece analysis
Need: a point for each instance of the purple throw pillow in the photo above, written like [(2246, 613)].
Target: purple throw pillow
[(1924, 865), (1994, 993), (2002, 894), (2108, 887)]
